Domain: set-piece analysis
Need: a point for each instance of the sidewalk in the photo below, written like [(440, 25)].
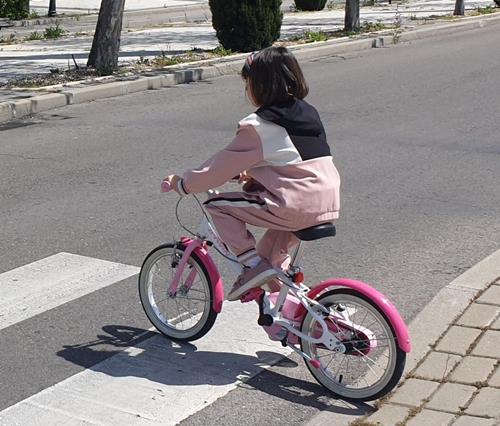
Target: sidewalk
[(453, 372), (92, 6), (41, 56), (458, 382)]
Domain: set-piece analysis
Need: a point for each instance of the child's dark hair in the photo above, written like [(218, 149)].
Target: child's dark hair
[(274, 76)]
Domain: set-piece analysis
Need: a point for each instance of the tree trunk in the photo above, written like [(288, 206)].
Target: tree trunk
[(351, 22), (106, 45), (459, 7)]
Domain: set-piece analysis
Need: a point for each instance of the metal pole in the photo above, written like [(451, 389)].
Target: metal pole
[(52, 8)]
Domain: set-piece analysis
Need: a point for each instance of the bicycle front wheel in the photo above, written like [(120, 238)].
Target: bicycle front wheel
[(186, 315), (372, 363)]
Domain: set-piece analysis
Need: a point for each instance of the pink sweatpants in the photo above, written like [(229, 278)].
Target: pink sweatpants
[(232, 211)]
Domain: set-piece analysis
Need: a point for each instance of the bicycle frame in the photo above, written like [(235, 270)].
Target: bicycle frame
[(207, 235)]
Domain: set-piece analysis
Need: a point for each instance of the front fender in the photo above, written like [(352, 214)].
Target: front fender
[(215, 278), (398, 325)]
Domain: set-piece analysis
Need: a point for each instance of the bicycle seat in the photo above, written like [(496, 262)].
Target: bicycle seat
[(316, 232)]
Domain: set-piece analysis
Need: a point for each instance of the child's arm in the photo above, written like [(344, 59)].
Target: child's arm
[(241, 154)]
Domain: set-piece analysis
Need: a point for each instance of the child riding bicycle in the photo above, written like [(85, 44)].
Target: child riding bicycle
[(281, 154)]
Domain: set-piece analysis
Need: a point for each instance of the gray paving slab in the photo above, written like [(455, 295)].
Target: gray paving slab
[(390, 415), (451, 397), (427, 331), (473, 369), (486, 403), (473, 421), (458, 340), (488, 345), (479, 315), (430, 417), (414, 392), (492, 295), (437, 366)]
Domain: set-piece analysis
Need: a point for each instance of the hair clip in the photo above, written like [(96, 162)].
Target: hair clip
[(249, 61)]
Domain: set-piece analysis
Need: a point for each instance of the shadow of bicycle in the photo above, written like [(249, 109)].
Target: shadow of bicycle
[(133, 352)]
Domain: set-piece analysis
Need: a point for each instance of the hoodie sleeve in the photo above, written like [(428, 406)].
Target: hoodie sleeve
[(241, 154)]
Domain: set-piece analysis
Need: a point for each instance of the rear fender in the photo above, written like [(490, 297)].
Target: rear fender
[(398, 325)]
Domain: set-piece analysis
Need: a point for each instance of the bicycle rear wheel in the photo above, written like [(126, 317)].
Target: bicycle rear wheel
[(187, 315), (372, 364)]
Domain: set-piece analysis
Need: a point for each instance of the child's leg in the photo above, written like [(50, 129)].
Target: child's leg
[(231, 212), (233, 231), (275, 246)]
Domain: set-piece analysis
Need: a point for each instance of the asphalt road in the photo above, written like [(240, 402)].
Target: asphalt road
[(415, 134)]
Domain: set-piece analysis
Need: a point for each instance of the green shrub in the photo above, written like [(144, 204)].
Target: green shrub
[(312, 36), (14, 9), (10, 39), (35, 35), (221, 51), (486, 10), (310, 4), (54, 32), (246, 25)]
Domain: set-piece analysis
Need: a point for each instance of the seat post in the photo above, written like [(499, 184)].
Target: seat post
[(297, 256)]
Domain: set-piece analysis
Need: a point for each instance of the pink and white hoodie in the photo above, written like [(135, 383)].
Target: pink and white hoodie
[(283, 148)]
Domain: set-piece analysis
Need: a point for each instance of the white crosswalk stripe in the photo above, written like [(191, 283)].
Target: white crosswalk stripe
[(35, 288), (156, 381)]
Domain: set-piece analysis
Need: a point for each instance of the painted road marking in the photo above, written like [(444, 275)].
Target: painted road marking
[(39, 286), (157, 381)]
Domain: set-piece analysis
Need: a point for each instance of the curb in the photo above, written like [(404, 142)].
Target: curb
[(433, 321), (191, 72), (450, 302)]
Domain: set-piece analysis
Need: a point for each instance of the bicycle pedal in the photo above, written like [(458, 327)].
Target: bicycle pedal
[(265, 320)]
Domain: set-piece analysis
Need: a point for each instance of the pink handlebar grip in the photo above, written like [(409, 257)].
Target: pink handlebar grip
[(166, 186)]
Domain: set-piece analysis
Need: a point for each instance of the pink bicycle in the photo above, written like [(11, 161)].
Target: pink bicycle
[(351, 337)]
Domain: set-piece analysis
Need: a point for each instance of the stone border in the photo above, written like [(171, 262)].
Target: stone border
[(186, 73), (450, 302)]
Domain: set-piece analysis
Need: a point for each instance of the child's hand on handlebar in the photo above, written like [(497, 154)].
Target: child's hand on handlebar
[(173, 181), (243, 177)]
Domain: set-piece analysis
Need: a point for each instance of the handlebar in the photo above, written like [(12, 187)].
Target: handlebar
[(166, 186)]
